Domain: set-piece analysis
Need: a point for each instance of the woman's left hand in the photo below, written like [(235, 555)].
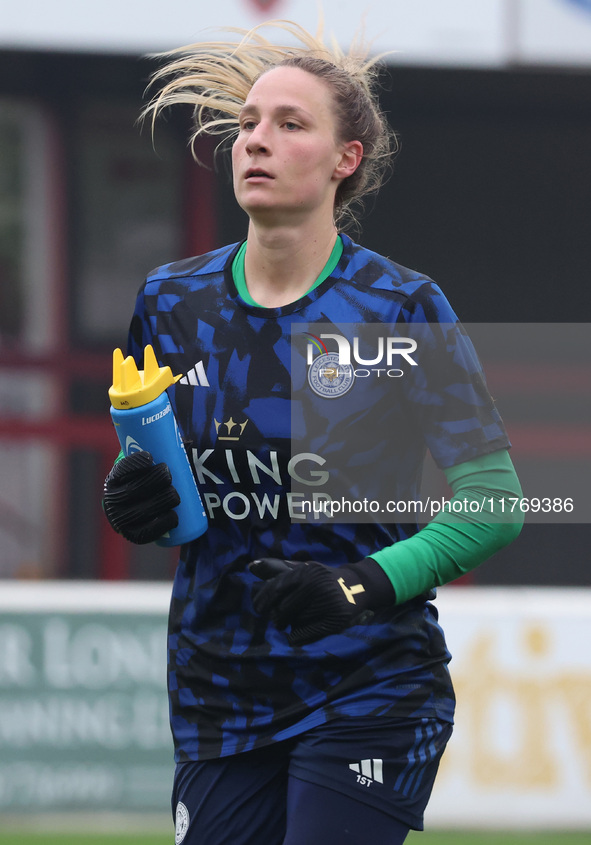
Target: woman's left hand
[(318, 600)]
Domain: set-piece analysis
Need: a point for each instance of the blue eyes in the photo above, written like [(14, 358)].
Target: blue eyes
[(250, 126)]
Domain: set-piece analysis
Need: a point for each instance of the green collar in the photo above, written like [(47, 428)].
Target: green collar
[(240, 278)]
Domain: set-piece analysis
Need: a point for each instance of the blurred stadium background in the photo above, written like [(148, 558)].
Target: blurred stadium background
[(490, 196)]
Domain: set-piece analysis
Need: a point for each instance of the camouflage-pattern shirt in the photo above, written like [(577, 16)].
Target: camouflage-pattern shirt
[(268, 422)]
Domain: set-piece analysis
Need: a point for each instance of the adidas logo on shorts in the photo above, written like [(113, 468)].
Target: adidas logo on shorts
[(368, 771)]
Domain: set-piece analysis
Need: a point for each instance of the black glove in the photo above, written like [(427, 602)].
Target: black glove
[(318, 600), (139, 498)]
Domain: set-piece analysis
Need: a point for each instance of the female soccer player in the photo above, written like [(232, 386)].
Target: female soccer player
[(309, 691)]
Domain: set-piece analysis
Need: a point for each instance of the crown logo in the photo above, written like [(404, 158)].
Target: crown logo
[(233, 429)]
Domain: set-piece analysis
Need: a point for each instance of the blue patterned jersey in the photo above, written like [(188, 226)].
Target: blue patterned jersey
[(234, 681)]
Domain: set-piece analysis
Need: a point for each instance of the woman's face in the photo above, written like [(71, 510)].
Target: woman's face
[(286, 160)]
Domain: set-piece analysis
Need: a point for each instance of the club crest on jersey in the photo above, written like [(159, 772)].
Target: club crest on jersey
[(329, 378)]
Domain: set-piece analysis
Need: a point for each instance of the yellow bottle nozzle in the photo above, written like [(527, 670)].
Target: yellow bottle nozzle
[(132, 387)]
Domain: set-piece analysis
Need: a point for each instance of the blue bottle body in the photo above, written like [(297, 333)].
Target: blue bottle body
[(153, 428)]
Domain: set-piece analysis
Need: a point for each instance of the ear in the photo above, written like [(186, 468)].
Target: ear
[(349, 159)]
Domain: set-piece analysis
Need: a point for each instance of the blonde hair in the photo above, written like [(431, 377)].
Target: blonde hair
[(216, 77)]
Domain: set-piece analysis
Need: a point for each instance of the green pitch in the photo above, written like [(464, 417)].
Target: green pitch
[(40, 838), (447, 838)]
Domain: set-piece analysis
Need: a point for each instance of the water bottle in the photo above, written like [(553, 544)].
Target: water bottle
[(144, 421)]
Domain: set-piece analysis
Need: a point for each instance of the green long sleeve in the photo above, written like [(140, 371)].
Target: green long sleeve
[(457, 542)]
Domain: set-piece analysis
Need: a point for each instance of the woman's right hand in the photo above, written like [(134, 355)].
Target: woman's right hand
[(139, 498)]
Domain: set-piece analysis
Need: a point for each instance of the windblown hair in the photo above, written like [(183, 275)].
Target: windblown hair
[(216, 77)]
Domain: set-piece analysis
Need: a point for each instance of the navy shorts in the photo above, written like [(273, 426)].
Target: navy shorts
[(332, 784)]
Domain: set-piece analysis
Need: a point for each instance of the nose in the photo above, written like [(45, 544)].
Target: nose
[(258, 141)]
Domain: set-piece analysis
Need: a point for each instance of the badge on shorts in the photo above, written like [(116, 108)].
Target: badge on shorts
[(182, 823)]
